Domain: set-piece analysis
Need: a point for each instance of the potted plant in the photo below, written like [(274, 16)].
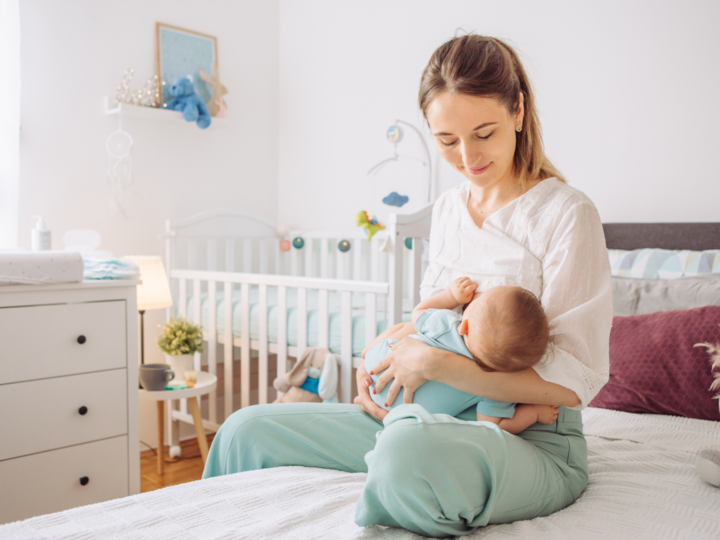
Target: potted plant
[(180, 340)]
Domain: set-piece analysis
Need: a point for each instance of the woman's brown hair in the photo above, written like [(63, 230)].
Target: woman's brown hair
[(487, 67)]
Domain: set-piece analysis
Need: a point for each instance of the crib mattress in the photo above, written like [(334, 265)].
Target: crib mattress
[(642, 485), (313, 317)]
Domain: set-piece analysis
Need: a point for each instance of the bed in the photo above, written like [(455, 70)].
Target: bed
[(642, 483), (642, 486)]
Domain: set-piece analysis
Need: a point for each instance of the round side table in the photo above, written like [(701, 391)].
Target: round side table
[(206, 383)]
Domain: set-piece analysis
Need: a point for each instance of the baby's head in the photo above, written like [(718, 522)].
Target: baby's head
[(505, 329)]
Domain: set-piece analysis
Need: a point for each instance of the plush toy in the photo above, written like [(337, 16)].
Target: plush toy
[(395, 199), (216, 105), (314, 378), (371, 226), (186, 100)]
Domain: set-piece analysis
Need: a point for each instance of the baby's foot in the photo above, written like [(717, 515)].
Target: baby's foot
[(547, 414)]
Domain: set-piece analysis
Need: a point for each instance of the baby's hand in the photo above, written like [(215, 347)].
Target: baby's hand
[(463, 290), (547, 414)]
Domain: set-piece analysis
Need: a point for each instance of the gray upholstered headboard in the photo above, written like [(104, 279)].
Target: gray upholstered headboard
[(693, 236)]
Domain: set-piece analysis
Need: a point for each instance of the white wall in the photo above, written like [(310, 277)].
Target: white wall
[(625, 92), (74, 54)]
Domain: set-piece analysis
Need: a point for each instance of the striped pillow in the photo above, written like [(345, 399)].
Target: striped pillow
[(663, 263)]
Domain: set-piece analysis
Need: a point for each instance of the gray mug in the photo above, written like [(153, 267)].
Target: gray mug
[(155, 377)]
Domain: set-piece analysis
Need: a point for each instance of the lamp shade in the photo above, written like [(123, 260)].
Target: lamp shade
[(154, 293)]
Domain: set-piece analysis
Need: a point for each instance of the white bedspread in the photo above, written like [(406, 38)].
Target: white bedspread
[(642, 485)]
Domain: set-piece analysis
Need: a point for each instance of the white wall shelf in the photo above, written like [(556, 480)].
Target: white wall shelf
[(155, 114)]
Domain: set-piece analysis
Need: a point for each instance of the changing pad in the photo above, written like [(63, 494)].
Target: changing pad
[(40, 267)]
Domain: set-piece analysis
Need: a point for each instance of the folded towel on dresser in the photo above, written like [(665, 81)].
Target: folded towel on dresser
[(106, 268), (40, 267)]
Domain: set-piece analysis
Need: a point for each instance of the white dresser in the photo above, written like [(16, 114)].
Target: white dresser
[(68, 396)]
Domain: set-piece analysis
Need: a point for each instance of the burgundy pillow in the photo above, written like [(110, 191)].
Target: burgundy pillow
[(654, 367)]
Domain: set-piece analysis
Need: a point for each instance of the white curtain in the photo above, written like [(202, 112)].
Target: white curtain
[(9, 121)]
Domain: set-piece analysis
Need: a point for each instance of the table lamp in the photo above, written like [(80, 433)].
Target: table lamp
[(154, 293)]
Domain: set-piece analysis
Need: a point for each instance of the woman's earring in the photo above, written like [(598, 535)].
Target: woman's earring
[(518, 129)]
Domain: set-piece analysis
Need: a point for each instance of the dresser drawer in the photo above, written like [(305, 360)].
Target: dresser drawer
[(49, 341), (50, 482), (42, 415)]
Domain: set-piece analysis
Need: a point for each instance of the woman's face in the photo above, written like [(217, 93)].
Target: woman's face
[(476, 135)]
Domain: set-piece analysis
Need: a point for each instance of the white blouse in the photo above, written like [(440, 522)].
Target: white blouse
[(549, 241)]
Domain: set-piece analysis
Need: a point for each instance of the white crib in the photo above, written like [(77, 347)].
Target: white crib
[(273, 302)]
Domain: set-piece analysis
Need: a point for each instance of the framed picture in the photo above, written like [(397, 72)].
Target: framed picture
[(182, 52)]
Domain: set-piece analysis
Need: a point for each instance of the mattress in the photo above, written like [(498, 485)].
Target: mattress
[(642, 485), (313, 317)]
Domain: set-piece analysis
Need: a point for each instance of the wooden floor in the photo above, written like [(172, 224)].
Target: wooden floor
[(187, 468)]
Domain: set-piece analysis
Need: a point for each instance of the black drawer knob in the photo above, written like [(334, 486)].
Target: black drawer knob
[(81, 339), (84, 481), (82, 410)]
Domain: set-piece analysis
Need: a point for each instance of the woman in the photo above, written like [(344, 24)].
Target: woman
[(514, 222)]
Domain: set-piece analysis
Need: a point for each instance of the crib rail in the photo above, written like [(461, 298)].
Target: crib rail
[(208, 281), (320, 257), (236, 241)]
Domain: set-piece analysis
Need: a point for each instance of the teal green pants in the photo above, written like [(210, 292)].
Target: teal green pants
[(435, 475)]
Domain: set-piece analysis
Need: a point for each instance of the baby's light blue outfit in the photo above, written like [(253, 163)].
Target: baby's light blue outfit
[(438, 328)]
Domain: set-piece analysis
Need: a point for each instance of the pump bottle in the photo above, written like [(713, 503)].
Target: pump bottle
[(41, 240)]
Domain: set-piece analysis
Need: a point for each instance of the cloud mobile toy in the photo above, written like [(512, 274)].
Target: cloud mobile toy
[(395, 199)]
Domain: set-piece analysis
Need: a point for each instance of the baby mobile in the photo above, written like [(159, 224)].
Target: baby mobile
[(394, 134)]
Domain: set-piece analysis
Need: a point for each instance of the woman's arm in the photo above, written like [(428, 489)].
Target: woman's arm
[(577, 298), (520, 387), (413, 362)]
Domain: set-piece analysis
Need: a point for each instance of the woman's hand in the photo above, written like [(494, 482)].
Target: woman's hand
[(408, 364), (363, 398)]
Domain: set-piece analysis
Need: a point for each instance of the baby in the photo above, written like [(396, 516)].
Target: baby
[(503, 329)]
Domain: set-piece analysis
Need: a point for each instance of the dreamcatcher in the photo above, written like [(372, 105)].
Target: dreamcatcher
[(119, 147)]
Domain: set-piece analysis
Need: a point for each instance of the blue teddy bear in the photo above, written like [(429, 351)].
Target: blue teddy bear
[(186, 100)]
